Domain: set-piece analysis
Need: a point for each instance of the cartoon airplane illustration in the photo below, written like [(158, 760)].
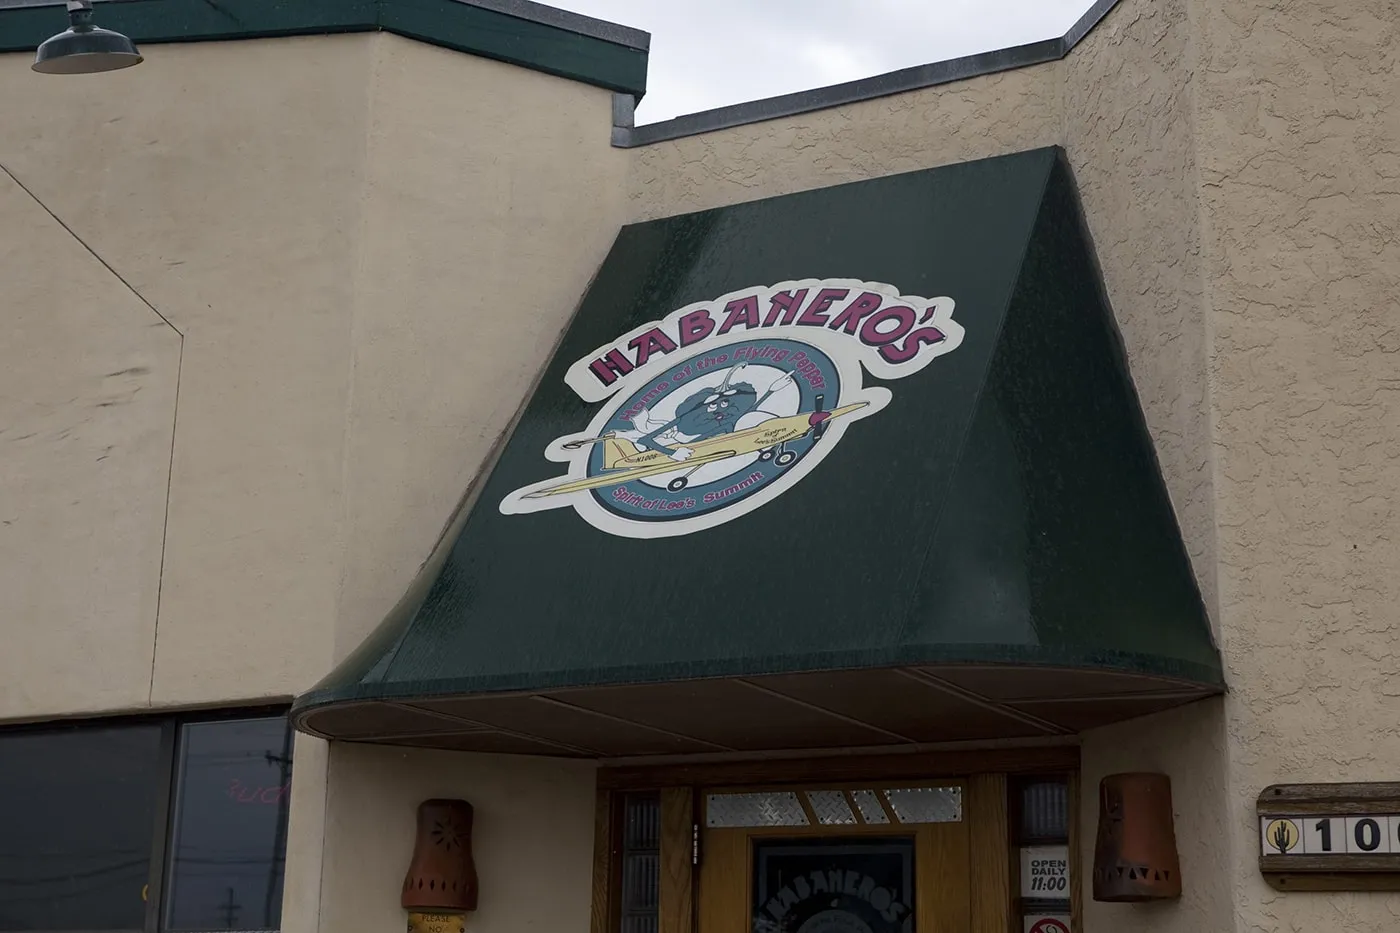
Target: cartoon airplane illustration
[(623, 460)]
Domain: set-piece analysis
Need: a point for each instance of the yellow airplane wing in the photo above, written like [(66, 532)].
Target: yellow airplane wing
[(622, 476), (750, 440)]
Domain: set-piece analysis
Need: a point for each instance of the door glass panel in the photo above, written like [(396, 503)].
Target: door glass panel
[(833, 885)]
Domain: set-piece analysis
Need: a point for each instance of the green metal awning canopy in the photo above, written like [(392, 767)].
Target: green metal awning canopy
[(860, 466)]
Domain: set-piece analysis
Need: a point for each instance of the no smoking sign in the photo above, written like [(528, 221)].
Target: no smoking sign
[(1047, 925)]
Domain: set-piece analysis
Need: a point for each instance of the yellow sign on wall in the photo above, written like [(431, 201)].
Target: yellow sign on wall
[(420, 922)]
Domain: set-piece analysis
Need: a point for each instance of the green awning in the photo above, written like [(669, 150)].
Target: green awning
[(855, 466)]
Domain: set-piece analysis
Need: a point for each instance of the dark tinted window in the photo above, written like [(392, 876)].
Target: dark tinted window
[(229, 842), (77, 817)]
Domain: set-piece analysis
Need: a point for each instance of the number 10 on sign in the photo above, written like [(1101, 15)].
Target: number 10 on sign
[(1330, 835)]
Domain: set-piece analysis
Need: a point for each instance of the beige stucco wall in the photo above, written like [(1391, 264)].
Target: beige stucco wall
[(991, 115), (363, 251), (1295, 145), (1299, 157), (485, 217), (237, 221), (1130, 132), (84, 456), (532, 836)]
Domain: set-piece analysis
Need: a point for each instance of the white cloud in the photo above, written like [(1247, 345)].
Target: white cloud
[(710, 53)]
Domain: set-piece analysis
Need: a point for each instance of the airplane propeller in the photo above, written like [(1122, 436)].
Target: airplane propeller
[(820, 418)]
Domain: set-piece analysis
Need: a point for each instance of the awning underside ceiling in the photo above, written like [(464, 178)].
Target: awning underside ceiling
[(849, 709)]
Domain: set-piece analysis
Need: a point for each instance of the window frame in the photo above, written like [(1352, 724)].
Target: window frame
[(165, 799)]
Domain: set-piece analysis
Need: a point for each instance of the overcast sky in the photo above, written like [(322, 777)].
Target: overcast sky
[(709, 53)]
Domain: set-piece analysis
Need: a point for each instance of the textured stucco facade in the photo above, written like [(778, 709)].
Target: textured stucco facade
[(1130, 131), (1273, 156), (1299, 158), (227, 444), (986, 116)]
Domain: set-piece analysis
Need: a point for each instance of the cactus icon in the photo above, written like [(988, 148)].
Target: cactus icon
[(1283, 835)]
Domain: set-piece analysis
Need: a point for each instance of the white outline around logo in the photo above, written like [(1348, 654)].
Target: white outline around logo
[(851, 355)]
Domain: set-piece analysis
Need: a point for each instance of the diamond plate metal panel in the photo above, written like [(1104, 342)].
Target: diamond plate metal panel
[(830, 807), (926, 804), (869, 806), (777, 808)]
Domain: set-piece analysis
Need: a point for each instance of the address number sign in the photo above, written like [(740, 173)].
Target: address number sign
[(1330, 835)]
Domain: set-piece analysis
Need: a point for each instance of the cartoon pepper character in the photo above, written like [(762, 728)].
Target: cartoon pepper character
[(704, 414)]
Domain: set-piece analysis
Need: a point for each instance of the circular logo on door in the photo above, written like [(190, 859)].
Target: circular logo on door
[(834, 921)]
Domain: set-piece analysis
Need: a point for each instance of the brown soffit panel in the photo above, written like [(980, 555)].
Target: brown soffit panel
[(560, 722), (1078, 715), (885, 709), (360, 721), (491, 743), (729, 714), (903, 706), (1007, 682)]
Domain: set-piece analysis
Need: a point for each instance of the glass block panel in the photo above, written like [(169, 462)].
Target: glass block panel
[(833, 885), (776, 808), (1045, 811), (830, 807), (641, 862), (869, 805), (640, 873), (642, 821), (926, 804)]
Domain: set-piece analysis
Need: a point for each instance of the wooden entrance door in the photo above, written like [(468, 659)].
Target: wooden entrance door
[(867, 858)]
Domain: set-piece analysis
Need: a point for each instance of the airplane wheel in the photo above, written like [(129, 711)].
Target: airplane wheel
[(785, 458), (765, 455), (677, 484)]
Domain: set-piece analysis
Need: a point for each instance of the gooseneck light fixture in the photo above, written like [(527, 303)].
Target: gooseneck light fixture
[(83, 48)]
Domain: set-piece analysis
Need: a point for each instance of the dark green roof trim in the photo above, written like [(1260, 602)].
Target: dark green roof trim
[(515, 31)]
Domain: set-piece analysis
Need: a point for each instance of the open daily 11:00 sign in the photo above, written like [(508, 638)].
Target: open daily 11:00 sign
[(1045, 872)]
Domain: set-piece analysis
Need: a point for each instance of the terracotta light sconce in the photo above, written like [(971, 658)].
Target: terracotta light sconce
[(1135, 856), (440, 887)]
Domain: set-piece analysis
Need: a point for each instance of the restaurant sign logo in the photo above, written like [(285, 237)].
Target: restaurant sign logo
[(721, 406)]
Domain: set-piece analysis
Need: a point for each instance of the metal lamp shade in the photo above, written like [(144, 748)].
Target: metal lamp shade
[(84, 49)]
